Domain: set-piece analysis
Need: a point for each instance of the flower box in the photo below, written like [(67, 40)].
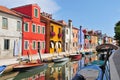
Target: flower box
[(52, 34), (60, 35)]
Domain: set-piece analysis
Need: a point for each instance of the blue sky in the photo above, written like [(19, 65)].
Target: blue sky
[(91, 14)]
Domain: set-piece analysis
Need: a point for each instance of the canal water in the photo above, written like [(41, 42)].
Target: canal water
[(50, 71)]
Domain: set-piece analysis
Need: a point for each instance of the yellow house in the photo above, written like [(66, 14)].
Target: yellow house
[(53, 34), (55, 37)]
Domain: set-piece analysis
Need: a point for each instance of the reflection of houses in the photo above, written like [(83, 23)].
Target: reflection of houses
[(58, 71), (74, 66), (53, 34), (33, 30), (75, 32), (10, 33)]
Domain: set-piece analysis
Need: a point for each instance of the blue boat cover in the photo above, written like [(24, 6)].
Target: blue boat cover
[(2, 68)]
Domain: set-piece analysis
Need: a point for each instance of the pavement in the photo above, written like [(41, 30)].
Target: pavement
[(9, 61)]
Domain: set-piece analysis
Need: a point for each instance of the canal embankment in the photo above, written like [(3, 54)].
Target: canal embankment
[(13, 60)]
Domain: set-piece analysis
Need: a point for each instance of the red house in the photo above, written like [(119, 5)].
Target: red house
[(33, 30)]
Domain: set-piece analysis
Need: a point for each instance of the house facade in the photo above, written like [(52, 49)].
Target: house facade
[(33, 37), (53, 34), (10, 33), (66, 36), (75, 39)]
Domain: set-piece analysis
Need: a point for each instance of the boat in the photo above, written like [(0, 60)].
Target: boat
[(75, 57), (60, 59), (26, 66), (39, 72), (2, 69), (90, 72)]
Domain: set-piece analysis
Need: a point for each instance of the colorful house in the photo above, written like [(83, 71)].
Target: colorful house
[(66, 35), (53, 34), (10, 33), (33, 37), (75, 39), (81, 39)]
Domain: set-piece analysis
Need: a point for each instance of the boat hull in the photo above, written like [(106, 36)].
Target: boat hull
[(75, 57), (26, 66), (57, 60)]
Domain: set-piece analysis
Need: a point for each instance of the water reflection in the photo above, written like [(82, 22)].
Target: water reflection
[(52, 71)]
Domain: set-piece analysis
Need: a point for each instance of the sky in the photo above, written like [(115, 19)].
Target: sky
[(90, 14)]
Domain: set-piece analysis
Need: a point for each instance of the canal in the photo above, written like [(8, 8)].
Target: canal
[(51, 71)]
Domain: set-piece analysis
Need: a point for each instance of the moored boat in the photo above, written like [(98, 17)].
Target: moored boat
[(61, 59), (75, 57), (90, 72), (2, 69), (26, 66)]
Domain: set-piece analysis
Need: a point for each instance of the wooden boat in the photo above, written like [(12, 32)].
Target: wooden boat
[(75, 57), (37, 71), (90, 72), (26, 66), (59, 59), (2, 69)]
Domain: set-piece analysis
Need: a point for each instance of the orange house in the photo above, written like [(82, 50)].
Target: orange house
[(75, 32)]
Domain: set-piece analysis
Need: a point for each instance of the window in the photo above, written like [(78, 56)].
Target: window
[(73, 44), (18, 26), (43, 30), (67, 31), (33, 28), (59, 30), (34, 45), (6, 44), (73, 34), (4, 23), (76, 35), (38, 29), (36, 12), (43, 45), (52, 29), (26, 44), (26, 28)]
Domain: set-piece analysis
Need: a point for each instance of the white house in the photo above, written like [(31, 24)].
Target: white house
[(67, 36), (10, 33)]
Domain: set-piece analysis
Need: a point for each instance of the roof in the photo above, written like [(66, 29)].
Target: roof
[(27, 5), (75, 28), (8, 11), (52, 20), (63, 22)]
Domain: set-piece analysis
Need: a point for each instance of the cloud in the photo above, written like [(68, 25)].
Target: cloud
[(49, 6)]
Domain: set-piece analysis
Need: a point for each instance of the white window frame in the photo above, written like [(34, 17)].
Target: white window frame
[(24, 26), (38, 29), (42, 30), (19, 26), (43, 43), (35, 14), (5, 27), (32, 28), (33, 44), (27, 45)]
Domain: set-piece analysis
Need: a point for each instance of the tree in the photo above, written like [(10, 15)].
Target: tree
[(117, 32)]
